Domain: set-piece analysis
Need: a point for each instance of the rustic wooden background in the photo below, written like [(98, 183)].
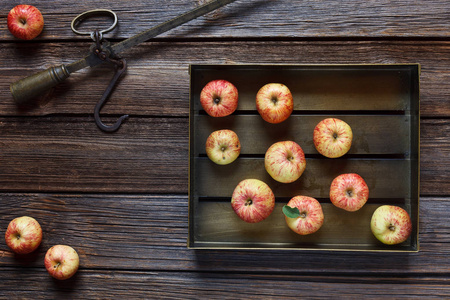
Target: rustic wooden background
[(121, 199)]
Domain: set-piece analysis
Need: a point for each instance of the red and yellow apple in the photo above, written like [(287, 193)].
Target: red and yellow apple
[(25, 22), (223, 146), (252, 200), (61, 261), (23, 235), (274, 102), (332, 137), (303, 215), (349, 192), (285, 161), (391, 224), (219, 98)]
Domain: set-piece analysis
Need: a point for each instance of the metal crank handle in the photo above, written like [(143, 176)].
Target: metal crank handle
[(27, 89)]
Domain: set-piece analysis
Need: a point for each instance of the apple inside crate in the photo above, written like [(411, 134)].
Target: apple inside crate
[(381, 105)]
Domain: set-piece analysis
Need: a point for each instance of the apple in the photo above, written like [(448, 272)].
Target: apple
[(285, 161), (349, 192), (332, 137), (303, 215), (61, 262), (25, 22), (391, 224), (252, 200), (219, 98), (274, 102), (223, 146), (23, 235)]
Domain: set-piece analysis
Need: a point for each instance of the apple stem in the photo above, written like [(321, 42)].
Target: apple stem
[(23, 21), (335, 135), (391, 227), (303, 215), (248, 202), (217, 100)]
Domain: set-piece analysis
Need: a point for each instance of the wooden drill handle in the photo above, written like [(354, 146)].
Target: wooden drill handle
[(28, 88)]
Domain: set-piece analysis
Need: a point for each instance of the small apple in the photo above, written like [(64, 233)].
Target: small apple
[(219, 98), (274, 102), (285, 161), (23, 235), (223, 146), (252, 200), (61, 262), (349, 192), (303, 215), (391, 224), (332, 137), (25, 22)]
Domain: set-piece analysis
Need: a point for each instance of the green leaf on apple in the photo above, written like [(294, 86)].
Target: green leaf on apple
[(291, 212)]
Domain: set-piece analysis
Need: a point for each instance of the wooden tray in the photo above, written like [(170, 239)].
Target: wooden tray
[(379, 102)]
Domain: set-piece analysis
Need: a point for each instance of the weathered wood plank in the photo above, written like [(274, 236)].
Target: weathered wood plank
[(157, 80), (70, 154), (372, 134), (147, 155), (36, 284), (284, 18), (149, 232), (212, 180), (218, 227), (435, 151), (346, 89)]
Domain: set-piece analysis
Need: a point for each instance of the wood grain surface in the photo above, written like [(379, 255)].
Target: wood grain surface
[(157, 78), (121, 199), (148, 155), (210, 285), (261, 19), (149, 232)]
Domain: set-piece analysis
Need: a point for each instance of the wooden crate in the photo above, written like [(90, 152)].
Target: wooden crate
[(379, 102)]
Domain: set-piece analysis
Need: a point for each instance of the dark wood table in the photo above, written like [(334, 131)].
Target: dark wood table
[(121, 199)]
